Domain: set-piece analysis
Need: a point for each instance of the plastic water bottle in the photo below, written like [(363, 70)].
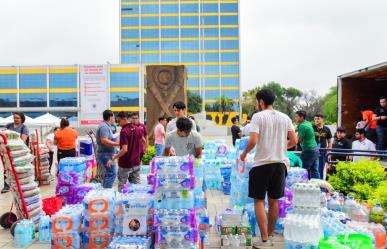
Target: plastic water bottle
[(44, 229), (18, 239), (349, 206), (377, 214), (226, 243), (243, 241), (206, 243), (334, 204)]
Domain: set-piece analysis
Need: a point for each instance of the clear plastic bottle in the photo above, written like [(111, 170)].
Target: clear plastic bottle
[(226, 243), (19, 233), (349, 206), (334, 204), (242, 241)]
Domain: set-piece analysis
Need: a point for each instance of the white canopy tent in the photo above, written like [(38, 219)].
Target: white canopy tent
[(47, 120), (6, 120)]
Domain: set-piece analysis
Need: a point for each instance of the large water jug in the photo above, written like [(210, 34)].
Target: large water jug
[(19, 239), (377, 214), (349, 206), (44, 229), (334, 204)]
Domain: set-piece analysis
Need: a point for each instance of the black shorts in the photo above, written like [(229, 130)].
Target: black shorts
[(268, 178)]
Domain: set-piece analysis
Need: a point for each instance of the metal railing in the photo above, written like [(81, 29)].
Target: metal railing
[(350, 152)]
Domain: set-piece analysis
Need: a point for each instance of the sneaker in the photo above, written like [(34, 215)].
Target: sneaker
[(261, 245), (5, 189)]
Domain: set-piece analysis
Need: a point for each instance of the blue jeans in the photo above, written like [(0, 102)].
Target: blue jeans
[(381, 133), (109, 173), (322, 160), (310, 162), (159, 149)]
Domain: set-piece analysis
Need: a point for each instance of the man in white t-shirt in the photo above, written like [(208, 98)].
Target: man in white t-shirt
[(269, 132), (362, 143)]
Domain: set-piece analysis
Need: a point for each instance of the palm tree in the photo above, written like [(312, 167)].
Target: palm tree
[(224, 104)]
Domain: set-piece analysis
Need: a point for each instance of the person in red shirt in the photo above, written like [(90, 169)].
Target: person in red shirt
[(370, 124), (132, 139)]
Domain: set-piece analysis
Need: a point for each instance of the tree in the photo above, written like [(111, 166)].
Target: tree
[(195, 102), (310, 102), (224, 104), (330, 106), (286, 98)]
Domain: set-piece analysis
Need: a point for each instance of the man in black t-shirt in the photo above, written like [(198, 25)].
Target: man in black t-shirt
[(323, 138), (380, 115), (340, 142), (235, 130)]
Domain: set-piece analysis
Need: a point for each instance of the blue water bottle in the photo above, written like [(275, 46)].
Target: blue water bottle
[(18, 236)]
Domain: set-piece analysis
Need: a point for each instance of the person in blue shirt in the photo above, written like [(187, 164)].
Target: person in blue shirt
[(105, 149)]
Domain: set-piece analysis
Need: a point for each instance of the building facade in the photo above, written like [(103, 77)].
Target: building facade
[(203, 35), (56, 89)]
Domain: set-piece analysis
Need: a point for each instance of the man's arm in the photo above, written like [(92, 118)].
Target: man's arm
[(107, 141), (123, 150), (198, 152), (250, 145), (292, 139)]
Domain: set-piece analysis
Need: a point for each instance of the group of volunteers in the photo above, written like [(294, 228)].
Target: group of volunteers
[(176, 137)]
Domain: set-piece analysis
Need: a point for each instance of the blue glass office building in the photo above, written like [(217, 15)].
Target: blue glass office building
[(201, 34)]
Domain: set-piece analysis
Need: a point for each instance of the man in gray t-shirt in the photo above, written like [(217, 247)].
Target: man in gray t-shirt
[(184, 140)]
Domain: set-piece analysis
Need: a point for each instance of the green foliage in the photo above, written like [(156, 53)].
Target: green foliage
[(149, 155), (195, 102), (380, 194), (330, 106), (360, 178), (223, 104)]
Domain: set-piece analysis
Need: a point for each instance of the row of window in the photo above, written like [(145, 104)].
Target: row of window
[(173, 58), (175, 8), (72, 116), (184, 20), (176, 33), (184, 45)]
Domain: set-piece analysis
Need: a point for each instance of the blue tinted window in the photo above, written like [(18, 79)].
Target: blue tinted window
[(189, 8), (190, 45), (130, 9), (33, 100), (131, 46), (211, 44), (150, 33), (5, 114), (63, 99), (212, 32), (8, 100), (130, 58), (169, 8), (228, 7), (229, 32), (189, 32), (230, 81), (169, 57), (193, 70), (229, 44), (170, 33), (124, 99), (189, 20), (190, 57), (150, 45), (130, 21), (130, 33), (196, 92), (169, 45), (150, 21), (211, 69), (193, 81), (211, 57), (169, 20), (72, 116), (150, 8), (35, 114), (211, 82), (32, 81), (230, 57), (212, 94), (230, 69), (210, 20), (210, 8), (63, 80), (150, 58), (124, 79), (231, 94), (8, 81), (229, 20)]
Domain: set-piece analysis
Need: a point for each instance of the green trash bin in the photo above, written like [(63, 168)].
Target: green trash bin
[(351, 241)]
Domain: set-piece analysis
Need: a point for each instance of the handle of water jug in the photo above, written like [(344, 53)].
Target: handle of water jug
[(58, 245), (100, 217), (97, 246)]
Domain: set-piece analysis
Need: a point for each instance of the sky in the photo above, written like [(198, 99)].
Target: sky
[(301, 43)]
